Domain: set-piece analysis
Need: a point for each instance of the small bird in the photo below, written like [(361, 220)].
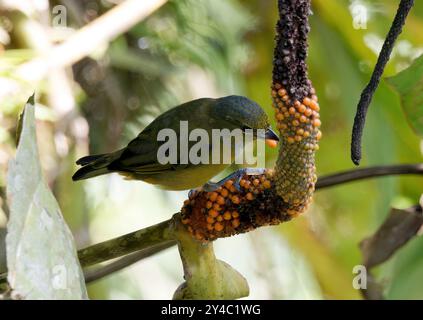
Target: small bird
[(139, 159)]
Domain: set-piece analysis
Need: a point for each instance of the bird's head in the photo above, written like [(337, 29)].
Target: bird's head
[(246, 114)]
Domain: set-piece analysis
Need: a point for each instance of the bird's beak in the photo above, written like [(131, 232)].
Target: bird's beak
[(271, 138)]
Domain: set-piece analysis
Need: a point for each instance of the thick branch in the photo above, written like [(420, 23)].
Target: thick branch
[(100, 272), (142, 239), (365, 173)]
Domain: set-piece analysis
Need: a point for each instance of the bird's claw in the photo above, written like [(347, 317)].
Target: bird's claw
[(235, 176), (192, 192)]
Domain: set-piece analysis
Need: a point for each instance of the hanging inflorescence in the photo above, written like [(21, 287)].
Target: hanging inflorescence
[(280, 194), (296, 107)]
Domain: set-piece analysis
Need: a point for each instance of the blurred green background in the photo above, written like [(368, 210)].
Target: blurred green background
[(196, 48)]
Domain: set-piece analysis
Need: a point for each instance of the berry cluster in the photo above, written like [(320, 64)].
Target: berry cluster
[(231, 210), (298, 123), (297, 120)]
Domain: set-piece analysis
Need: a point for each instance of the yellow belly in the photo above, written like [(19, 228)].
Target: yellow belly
[(185, 179)]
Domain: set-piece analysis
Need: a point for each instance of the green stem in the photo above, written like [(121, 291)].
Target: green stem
[(93, 274), (205, 276), (128, 243)]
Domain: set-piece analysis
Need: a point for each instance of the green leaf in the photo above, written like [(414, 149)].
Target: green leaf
[(409, 84), (399, 227), (41, 255)]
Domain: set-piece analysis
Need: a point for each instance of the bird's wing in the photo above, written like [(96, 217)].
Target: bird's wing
[(141, 150), (140, 156)]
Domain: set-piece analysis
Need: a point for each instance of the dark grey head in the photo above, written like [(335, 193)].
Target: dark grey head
[(246, 113)]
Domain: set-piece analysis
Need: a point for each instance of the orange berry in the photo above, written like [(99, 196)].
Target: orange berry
[(282, 92), (303, 119), (316, 123), (314, 105), (307, 101), (235, 199), (308, 112), (216, 207), (224, 193), (300, 132), (247, 184), (295, 123), (220, 200), (298, 138), (279, 116), (228, 183), (319, 135), (291, 110), (219, 218), (302, 108), (209, 220), (209, 204), (242, 183), (271, 143), (235, 214), (267, 184), (249, 196), (290, 140), (218, 226), (235, 223), (198, 236), (232, 189), (213, 213), (227, 215), (306, 134), (213, 196), (210, 227)]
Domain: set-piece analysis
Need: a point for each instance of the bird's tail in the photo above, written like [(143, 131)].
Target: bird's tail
[(95, 165)]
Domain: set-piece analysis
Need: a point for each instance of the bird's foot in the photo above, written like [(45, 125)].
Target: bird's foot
[(235, 176)]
